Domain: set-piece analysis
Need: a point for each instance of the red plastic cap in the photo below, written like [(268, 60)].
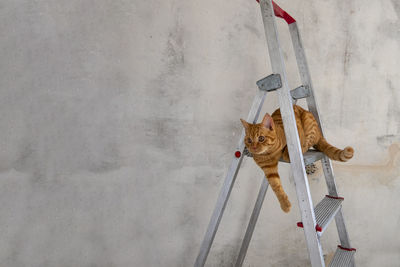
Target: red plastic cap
[(334, 197), (238, 154), (348, 249), (317, 227), (279, 12)]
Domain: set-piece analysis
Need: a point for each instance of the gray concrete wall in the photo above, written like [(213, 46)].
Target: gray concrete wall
[(119, 119)]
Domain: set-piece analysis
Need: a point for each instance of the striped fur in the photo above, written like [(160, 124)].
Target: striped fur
[(267, 142)]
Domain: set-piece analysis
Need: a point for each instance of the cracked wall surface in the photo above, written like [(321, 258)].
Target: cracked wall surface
[(119, 120)]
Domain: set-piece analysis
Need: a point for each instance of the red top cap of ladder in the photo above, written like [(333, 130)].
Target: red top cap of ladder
[(279, 12)]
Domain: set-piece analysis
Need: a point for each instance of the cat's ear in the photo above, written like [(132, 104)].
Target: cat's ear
[(268, 122), (245, 124)]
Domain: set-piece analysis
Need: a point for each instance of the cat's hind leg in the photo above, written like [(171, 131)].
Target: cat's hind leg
[(312, 133), (334, 152), (285, 154)]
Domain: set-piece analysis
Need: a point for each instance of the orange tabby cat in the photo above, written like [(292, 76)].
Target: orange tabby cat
[(267, 142)]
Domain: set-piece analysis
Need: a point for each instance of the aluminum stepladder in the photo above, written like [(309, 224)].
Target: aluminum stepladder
[(314, 220)]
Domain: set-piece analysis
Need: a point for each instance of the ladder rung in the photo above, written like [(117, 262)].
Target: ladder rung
[(325, 211), (300, 92), (343, 257)]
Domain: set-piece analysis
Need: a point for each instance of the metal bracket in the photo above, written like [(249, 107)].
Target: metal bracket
[(270, 83), (300, 92)]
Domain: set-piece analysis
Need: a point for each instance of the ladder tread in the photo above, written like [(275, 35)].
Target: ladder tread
[(325, 211), (310, 156), (343, 257)]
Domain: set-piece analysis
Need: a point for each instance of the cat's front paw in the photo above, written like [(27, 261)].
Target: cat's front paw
[(286, 205)]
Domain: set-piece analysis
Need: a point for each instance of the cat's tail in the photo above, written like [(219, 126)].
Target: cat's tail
[(333, 152)]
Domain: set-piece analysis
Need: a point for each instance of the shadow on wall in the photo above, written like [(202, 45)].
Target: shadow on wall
[(387, 171)]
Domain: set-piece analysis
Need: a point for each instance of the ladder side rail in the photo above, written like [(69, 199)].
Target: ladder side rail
[(311, 102), (304, 70), (227, 185), (293, 142), (342, 231), (252, 222), (339, 219), (313, 108)]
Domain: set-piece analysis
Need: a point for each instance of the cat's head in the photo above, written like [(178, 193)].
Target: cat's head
[(260, 137)]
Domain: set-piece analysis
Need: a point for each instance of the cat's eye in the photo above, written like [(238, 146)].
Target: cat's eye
[(261, 139), (249, 140)]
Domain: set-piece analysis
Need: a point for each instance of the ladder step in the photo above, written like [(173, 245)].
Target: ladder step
[(309, 157), (343, 257), (325, 211), (312, 156)]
